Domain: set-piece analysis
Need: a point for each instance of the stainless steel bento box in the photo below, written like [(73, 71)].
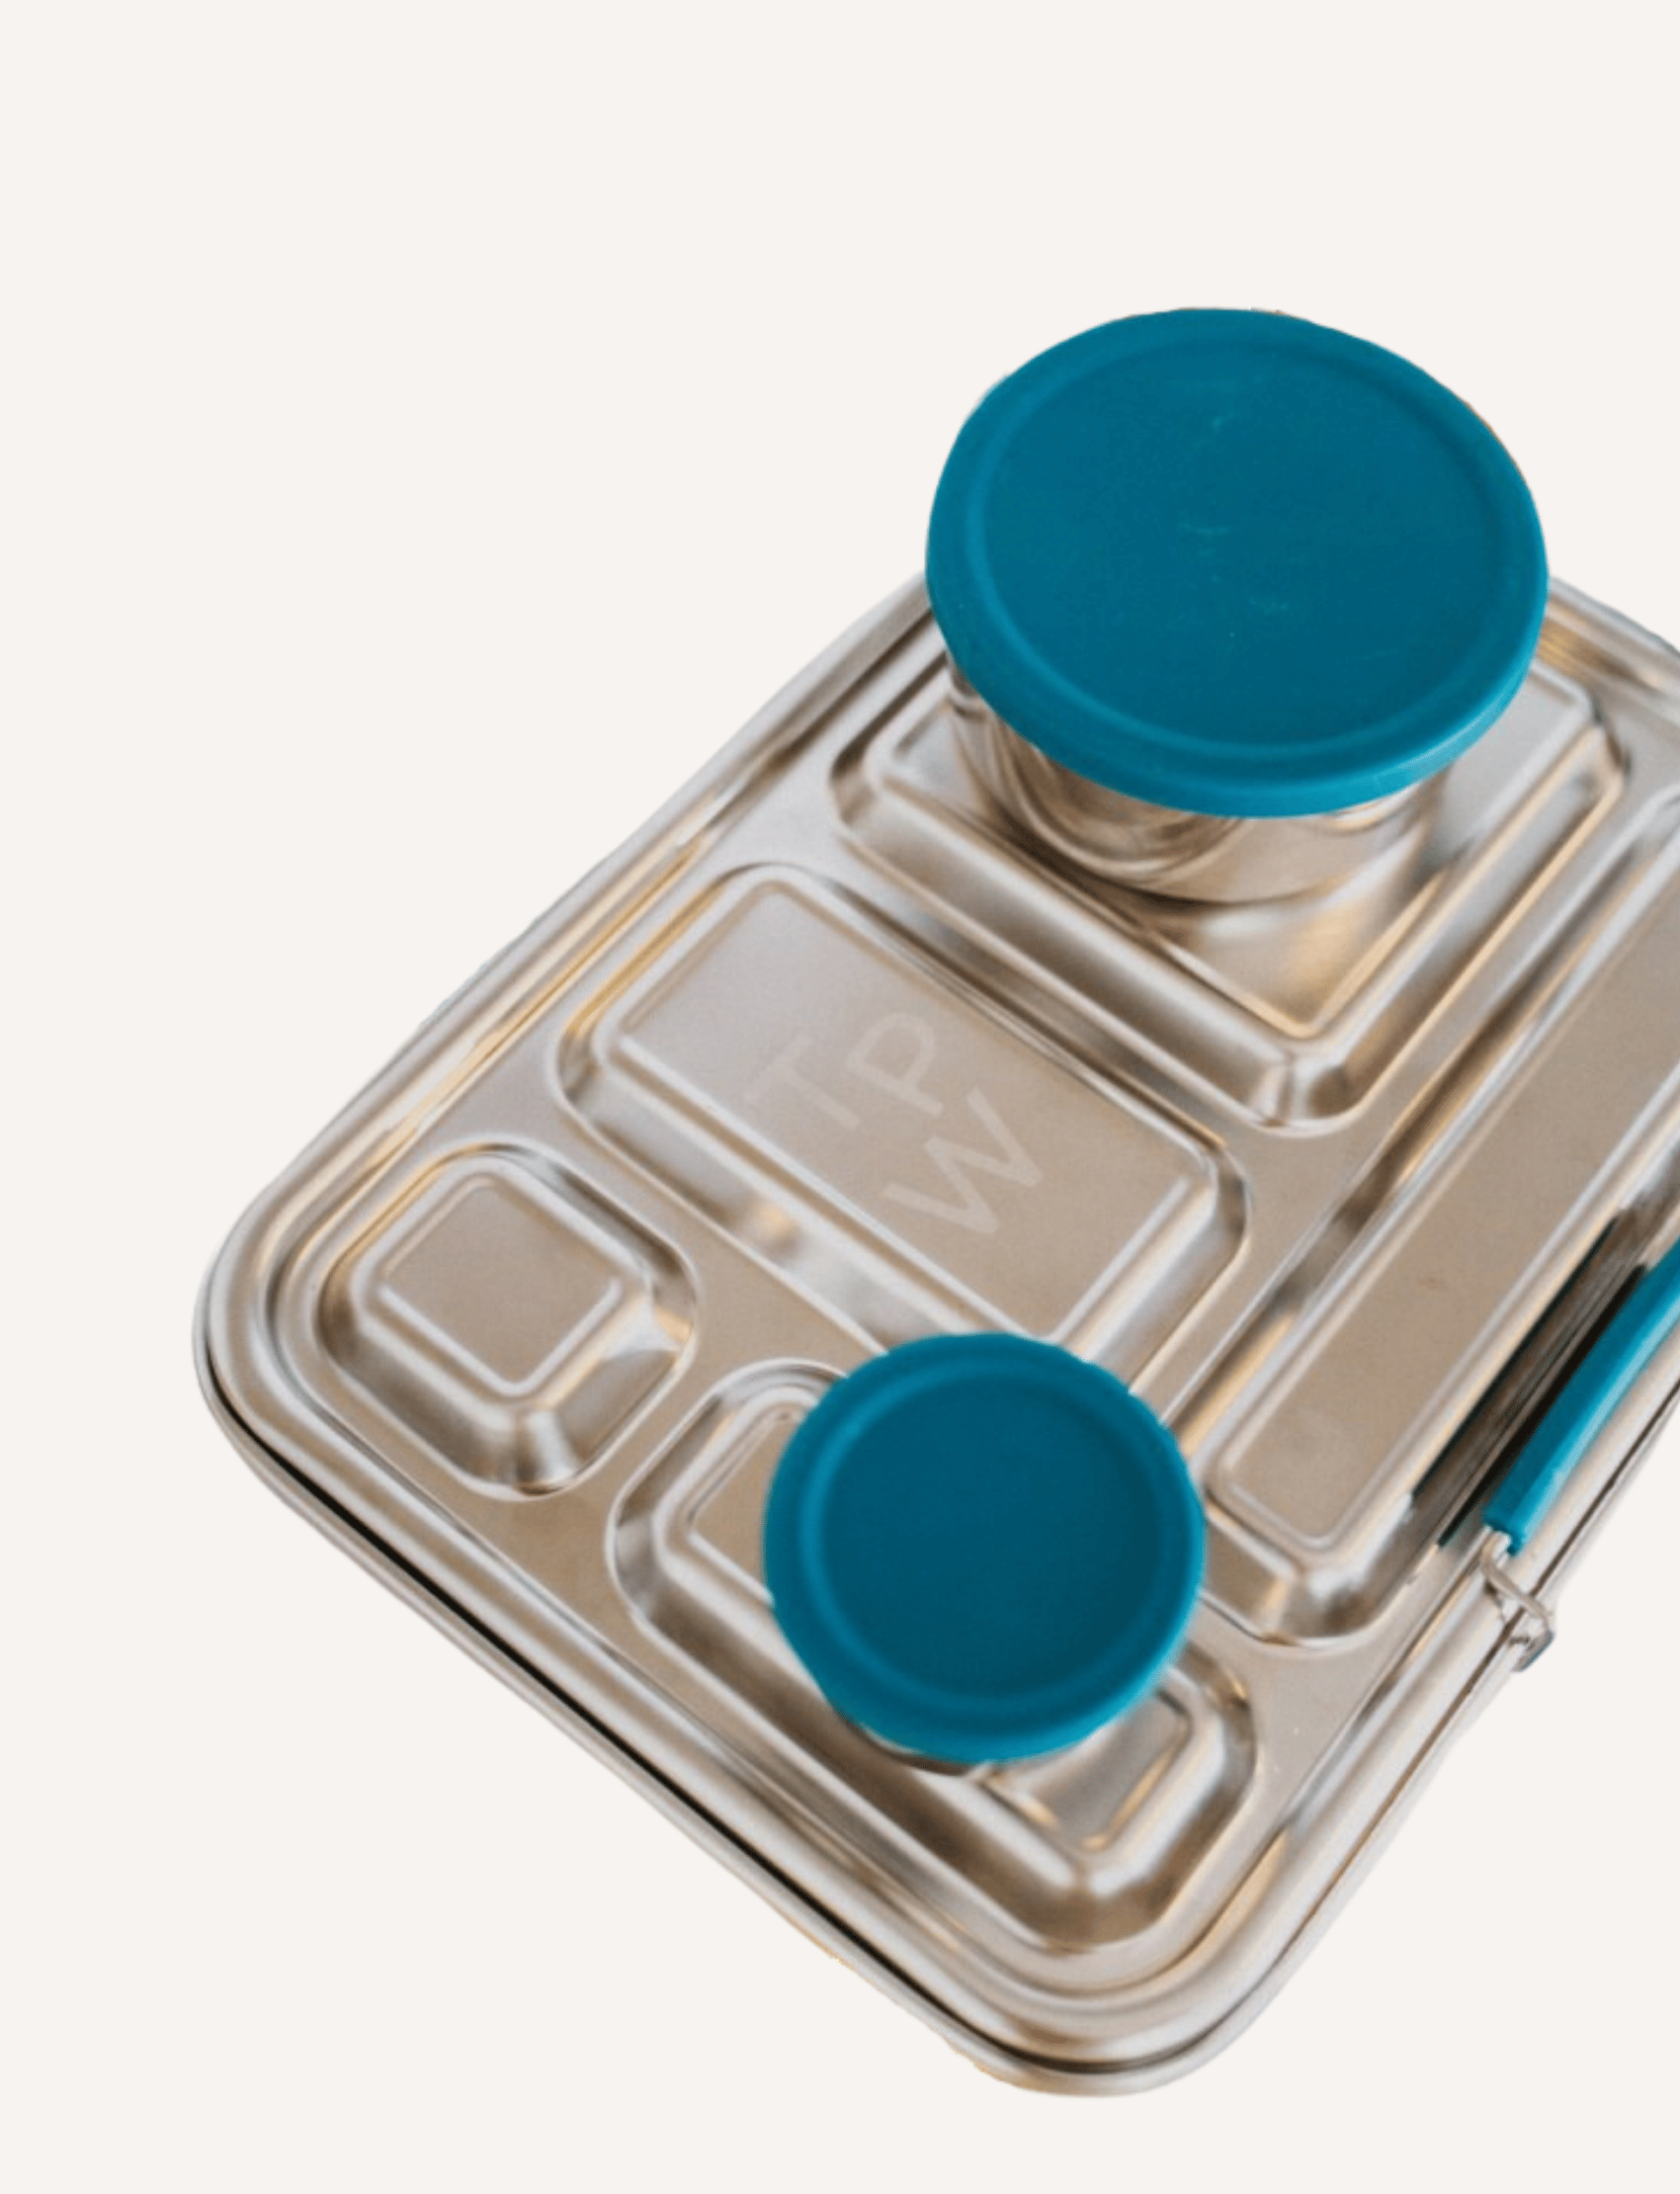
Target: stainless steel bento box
[(1347, 1139)]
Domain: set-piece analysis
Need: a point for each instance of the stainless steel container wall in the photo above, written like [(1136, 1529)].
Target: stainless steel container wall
[(1338, 1182)]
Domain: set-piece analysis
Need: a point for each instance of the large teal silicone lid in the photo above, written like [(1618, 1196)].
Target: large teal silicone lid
[(982, 1548), (1236, 564)]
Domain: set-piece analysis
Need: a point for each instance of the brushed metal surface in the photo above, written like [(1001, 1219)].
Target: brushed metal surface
[(841, 1050)]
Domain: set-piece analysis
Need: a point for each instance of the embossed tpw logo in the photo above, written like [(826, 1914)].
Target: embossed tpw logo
[(896, 1058)]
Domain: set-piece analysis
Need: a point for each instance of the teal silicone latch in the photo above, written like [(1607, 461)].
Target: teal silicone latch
[(1588, 1402)]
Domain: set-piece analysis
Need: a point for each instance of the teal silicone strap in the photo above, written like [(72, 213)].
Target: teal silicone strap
[(1588, 1402)]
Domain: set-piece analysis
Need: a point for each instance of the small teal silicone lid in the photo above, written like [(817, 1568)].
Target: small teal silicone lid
[(982, 1548), (1236, 564)]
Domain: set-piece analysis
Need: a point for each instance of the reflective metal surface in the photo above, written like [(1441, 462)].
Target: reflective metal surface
[(838, 1052), (1214, 860)]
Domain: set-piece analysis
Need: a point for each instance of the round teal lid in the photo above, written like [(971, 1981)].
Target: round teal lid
[(1236, 564), (982, 1548)]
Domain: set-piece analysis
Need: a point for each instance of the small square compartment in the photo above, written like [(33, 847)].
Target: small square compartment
[(509, 1316)]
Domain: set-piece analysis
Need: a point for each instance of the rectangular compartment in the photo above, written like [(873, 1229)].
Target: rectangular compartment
[(1294, 1008), (882, 1130), (1084, 1849)]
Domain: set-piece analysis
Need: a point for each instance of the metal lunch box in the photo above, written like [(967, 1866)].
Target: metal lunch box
[(1018, 1309)]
